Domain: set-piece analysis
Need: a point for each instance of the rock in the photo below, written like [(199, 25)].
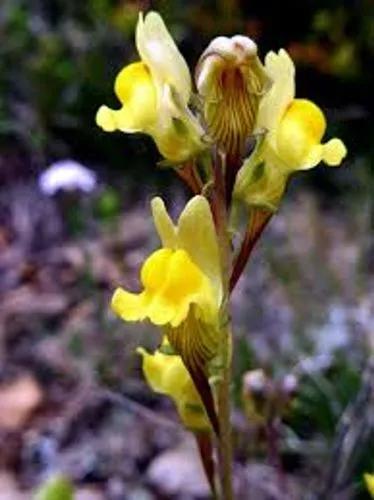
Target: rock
[(263, 482), (18, 399), (9, 489), (88, 493), (179, 472)]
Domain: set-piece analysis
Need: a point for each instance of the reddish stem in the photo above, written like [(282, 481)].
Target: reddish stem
[(257, 223), (218, 197), (190, 177), (272, 436), (233, 164)]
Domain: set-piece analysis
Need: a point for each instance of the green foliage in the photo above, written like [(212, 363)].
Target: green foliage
[(322, 398), (108, 204), (56, 488), (56, 66)]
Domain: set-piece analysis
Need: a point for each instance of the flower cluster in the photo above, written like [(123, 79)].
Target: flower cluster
[(186, 284)]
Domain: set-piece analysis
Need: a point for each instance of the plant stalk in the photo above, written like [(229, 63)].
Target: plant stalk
[(257, 222), (223, 390), (225, 440)]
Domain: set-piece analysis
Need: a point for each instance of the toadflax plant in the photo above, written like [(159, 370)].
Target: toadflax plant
[(188, 281)]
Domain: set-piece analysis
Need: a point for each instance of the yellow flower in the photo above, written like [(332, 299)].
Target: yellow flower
[(293, 130), (166, 374), (182, 291), (294, 127), (184, 274), (369, 480), (231, 79), (155, 93)]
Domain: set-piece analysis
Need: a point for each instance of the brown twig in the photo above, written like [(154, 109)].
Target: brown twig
[(272, 436), (139, 409)]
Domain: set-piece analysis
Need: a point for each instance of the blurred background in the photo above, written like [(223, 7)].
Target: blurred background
[(72, 398)]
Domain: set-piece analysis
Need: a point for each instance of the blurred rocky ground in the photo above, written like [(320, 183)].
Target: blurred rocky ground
[(72, 397)]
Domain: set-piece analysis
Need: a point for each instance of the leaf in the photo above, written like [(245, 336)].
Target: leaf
[(204, 443), (56, 488)]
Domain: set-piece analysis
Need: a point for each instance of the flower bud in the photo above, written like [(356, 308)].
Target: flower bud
[(256, 394), (290, 385), (231, 80), (265, 398)]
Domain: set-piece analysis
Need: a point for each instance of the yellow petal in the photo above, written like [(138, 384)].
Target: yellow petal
[(369, 480), (168, 294), (128, 306), (300, 129), (281, 71), (135, 89), (299, 135), (106, 119), (334, 151), (172, 283), (164, 225), (175, 283), (166, 374), (153, 366), (117, 119), (154, 268), (159, 52), (197, 235)]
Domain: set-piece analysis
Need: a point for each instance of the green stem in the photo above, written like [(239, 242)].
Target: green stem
[(223, 389), (225, 440)]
